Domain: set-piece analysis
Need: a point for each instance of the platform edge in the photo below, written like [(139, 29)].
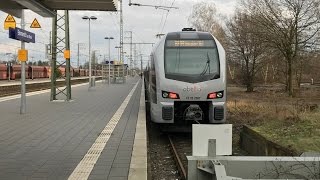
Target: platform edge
[(138, 165)]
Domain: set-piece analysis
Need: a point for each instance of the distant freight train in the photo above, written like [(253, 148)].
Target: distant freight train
[(186, 79), (40, 72)]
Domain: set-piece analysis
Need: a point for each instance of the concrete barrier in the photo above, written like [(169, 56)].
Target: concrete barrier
[(257, 145)]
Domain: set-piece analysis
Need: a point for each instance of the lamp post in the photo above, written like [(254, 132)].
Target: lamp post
[(109, 39), (89, 18)]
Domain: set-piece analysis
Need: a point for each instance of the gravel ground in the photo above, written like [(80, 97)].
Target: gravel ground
[(160, 160)]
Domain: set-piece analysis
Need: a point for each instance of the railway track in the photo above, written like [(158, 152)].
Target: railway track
[(168, 153), (181, 168), (15, 89), (161, 159), (181, 147)]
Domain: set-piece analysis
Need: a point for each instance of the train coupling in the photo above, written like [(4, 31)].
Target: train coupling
[(193, 113)]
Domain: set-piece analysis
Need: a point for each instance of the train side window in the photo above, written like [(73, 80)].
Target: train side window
[(153, 81), (152, 63)]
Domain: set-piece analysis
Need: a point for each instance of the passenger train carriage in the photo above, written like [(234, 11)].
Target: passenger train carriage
[(186, 79)]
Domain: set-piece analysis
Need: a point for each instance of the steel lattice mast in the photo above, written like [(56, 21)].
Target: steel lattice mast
[(121, 31), (60, 43)]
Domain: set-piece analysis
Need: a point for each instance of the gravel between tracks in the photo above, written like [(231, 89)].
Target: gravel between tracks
[(161, 162)]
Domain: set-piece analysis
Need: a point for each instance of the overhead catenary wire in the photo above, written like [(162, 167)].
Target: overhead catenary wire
[(160, 3), (164, 24)]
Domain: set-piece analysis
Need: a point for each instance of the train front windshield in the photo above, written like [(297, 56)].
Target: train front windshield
[(192, 60)]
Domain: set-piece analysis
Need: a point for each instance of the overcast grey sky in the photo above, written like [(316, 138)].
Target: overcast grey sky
[(145, 22)]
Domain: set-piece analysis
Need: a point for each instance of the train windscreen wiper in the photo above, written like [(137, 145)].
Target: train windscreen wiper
[(207, 67)]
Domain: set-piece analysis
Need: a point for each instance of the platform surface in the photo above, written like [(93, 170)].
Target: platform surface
[(52, 139)]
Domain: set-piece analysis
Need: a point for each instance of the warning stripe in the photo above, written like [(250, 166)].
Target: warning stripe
[(84, 168)]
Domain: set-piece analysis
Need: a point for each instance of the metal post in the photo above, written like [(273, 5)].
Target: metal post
[(119, 54), (131, 52), (135, 56), (109, 79), (50, 45), (141, 67), (78, 56), (60, 40), (32, 68), (130, 56), (23, 73), (90, 80), (212, 149), (121, 31), (9, 71), (68, 78), (54, 57)]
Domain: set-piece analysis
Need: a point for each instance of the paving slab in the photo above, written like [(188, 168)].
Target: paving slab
[(118, 150), (50, 140)]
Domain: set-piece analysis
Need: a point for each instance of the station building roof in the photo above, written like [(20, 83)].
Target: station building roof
[(46, 8)]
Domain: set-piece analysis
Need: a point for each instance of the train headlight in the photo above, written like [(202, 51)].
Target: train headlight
[(220, 95), (170, 95), (215, 95), (165, 95)]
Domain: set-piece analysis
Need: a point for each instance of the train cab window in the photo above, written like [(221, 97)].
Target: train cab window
[(192, 61)]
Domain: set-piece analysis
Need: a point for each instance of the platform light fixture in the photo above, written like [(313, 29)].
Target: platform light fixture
[(109, 39), (90, 68)]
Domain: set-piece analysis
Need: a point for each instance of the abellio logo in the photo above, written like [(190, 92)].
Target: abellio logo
[(192, 89)]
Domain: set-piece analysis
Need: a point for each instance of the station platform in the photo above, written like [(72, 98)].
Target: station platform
[(30, 81), (95, 136)]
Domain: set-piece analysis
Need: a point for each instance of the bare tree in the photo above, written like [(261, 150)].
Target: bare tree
[(14, 58), (290, 26), (203, 16), (247, 46)]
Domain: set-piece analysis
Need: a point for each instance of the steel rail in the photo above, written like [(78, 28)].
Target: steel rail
[(181, 169)]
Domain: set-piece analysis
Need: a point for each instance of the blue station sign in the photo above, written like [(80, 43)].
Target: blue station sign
[(22, 35)]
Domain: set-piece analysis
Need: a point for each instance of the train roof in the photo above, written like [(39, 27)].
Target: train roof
[(189, 35)]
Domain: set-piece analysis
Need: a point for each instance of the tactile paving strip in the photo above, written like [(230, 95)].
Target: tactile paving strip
[(84, 168)]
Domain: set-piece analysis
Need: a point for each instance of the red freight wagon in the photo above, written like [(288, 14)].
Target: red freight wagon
[(46, 71), (63, 71), (82, 72), (76, 72), (16, 72), (3, 72), (37, 71)]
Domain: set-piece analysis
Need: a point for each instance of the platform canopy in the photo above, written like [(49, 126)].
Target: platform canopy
[(46, 8)]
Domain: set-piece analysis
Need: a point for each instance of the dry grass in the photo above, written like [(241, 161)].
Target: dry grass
[(301, 134), (292, 122)]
